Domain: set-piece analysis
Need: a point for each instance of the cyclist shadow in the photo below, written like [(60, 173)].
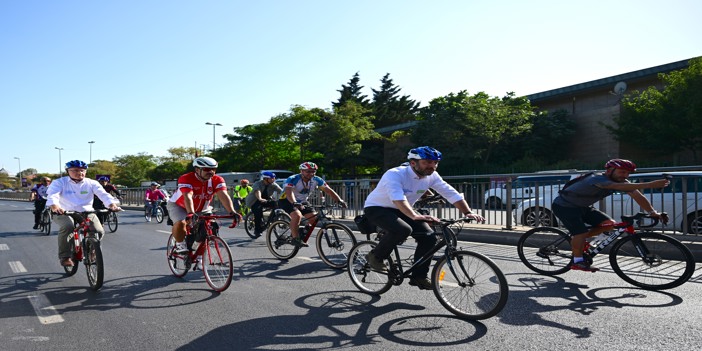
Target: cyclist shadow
[(347, 321), (527, 307), (284, 270)]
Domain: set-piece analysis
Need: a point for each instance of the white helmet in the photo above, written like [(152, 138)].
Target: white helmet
[(205, 162)]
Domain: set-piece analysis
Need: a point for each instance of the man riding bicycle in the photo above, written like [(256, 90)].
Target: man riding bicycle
[(573, 205), (297, 189), (260, 197), (38, 195), (389, 206), (195, 192), (152, 197), (111, 189), (74, 192)]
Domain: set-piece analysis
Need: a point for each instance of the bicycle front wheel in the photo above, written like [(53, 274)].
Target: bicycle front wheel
[(470, 285), (112, 223), (178, 263), (250, 226), (545, 250), (217, 264), (362, 276), (159, 214), (93, 263), (334, 242), (279, 240), (652, 261)]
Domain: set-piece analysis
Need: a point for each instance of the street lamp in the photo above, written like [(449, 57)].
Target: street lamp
[(214, 125), (60, 165), (19, 165), (91, 151)]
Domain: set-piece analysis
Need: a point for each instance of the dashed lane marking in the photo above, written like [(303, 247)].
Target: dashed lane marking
[(17, 267), (4, 247), (45, 311)]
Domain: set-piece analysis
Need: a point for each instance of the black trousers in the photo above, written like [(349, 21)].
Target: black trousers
[(399, 227), (38, 209)]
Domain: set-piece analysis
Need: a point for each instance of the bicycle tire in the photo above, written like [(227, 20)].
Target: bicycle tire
[(279, 240), (478, 290), (334, 243), (46, 222), (112, 222), (250, 226), (217, 264), (362, 276), (177, 263), (671, 262), (159, 214), (147, 213), (94, 265), (545, 250)]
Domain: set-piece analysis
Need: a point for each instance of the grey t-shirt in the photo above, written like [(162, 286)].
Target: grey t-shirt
[(267, 191), (585, 192)]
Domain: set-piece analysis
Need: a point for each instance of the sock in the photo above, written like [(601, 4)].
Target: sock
[(577, 259)]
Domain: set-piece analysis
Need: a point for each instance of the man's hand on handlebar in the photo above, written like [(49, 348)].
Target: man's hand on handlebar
[(476, 217)]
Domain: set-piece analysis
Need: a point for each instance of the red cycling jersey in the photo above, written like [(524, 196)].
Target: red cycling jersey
[(203, 191)]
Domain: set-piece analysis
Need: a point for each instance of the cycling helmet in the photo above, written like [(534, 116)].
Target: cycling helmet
[(156, 184), (424, 153), (207, 162), (621, 163), (103, 179), (308, 165), (267, 174), (76, 164), (245, 181)]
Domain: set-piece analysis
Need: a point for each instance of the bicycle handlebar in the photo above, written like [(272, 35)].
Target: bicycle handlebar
[(629, 220), (210, 216)]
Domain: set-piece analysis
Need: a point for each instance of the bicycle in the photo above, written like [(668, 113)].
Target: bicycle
[(651, 261), (216, 256), (274, 214), (45, 221), (334, 240), (86, 248), (111, 221), (468, 284), (153, 209)]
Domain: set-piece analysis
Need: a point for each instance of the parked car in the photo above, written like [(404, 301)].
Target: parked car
[(682, 200), (523, 188)]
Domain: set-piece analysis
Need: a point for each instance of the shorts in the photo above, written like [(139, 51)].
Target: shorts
[(175, 212), (575, 218), (286, 206)]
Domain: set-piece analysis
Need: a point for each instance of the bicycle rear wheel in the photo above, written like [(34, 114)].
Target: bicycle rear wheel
[(279, 240), (545, 250), (93, 263), (46, 222), (666, 262), (362, 276), (470, 285), (112, 222), (178, 263), (334, 242), (217, 264), (159, 214), (250, 226)]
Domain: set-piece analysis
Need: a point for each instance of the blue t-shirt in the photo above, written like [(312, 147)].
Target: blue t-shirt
[(300, 188), (585, 192)]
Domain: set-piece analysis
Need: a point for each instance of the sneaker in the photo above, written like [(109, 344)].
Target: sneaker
[(583, 266), (421, 283), (376, 264), (299, 243), (181, 248), (67, 262)]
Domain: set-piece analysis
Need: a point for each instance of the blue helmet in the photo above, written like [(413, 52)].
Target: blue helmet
[(76, 164), (267, 174), (424, 153), (103, 179)]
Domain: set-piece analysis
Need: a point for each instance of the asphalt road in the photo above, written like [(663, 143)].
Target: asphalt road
[(303, 305)]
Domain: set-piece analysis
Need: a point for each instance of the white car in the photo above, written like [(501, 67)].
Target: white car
[(682, 200), (523, 188)]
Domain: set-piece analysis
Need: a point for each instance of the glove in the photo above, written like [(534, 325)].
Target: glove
[(192, 218)]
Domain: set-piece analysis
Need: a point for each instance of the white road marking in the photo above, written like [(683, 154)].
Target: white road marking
[(308, 259), (163, 231), (45, 311), (17, 267), (4, 247)]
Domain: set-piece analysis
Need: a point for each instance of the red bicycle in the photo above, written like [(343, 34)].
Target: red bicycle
[(212, 256)]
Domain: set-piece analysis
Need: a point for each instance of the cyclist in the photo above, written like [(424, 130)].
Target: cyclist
[(74, 192), (38, 195), (296, 190), (573, 205), (152, 196), (240, 193), (261, 196), (389, 206), (195, 192), (111, 189)]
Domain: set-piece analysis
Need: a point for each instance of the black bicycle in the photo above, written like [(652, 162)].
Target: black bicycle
[(467, 283), (648, 260), (45, 221), (274, 214)]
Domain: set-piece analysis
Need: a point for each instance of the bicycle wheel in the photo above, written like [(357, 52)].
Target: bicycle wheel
[(545, 250), (46, 222), (666, 262), (159, 214), (176, 262), (112, 222), (217, 264), (279, 240), (470, 285), (334, 242), (250, 226), (93, 263), (362, 276), (147, 213)]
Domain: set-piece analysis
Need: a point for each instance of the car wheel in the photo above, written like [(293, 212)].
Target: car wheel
[(544, 218), (493, 202), (694, 223)]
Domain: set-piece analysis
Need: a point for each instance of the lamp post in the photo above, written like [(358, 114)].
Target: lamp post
[(19, 165), (60, 165), (91, 151), (214, 126)]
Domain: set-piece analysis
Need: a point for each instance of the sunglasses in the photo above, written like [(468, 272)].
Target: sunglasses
[(207, 169)]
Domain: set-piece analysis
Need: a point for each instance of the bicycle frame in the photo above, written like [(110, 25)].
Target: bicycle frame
[(207, 221), (310, 224)]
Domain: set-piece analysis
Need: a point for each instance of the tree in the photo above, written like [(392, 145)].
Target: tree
[(664, 121), (133, 169), (352, 92), (550, 132), (389, 108)]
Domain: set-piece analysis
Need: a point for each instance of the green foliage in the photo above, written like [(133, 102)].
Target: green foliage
[(352, 92), (133, 169), (389, 108)]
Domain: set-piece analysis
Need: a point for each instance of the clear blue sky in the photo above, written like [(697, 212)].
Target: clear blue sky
[(143, 76)]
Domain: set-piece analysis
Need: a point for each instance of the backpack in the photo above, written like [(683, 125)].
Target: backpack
[(575, 180)]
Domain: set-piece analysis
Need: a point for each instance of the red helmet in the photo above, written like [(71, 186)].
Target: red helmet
[(308, 166), (622, 164)]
